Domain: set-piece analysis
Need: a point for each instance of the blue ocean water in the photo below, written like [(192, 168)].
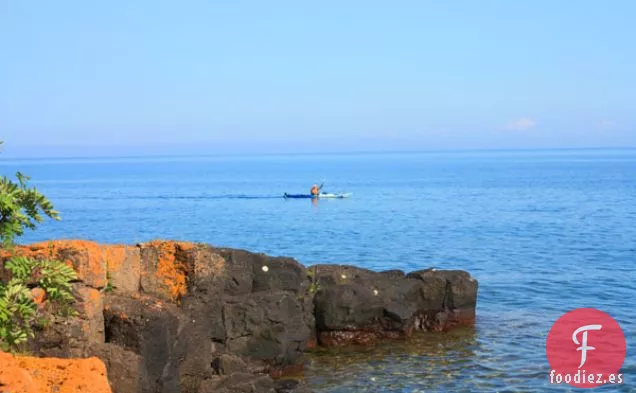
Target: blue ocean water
[(544, 232)]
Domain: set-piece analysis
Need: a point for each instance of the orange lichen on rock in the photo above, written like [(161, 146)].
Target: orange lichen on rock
[(185, 246), (38, 295), (5, 253), (171, 272), (48, 375), (124, 267), (90, 304), (114, 255), (95, 296), (84, 256), (208, 263)]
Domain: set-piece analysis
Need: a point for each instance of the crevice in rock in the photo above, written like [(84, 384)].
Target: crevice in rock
[(108, 333)]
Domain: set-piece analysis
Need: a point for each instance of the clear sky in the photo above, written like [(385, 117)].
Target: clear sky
[(148, 76)]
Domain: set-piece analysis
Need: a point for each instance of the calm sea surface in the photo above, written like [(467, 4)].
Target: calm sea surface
[(544, 232)]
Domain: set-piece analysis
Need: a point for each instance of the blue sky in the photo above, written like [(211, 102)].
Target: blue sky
[(123, 77)]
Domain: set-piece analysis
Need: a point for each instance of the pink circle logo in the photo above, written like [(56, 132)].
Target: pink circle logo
[(586, 348)]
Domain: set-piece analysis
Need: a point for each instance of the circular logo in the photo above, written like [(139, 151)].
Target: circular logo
[(586, 348)]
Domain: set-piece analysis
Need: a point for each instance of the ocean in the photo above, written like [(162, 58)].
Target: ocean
[(543, 231)]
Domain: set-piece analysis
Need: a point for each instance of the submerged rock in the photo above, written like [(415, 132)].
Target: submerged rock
[(183, 317), (291, 386)]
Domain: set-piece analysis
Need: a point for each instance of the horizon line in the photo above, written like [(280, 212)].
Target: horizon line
[(316, 153)]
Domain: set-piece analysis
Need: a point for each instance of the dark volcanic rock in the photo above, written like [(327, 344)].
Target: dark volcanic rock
[(66, 337), (150, 329), (126, 371), (259, 310), (192, 318), (291, 386), (239, 383), (354, 305), (249, 273), (267, 326), (347, 306), (243, 313), (461, 291), (226, 364)]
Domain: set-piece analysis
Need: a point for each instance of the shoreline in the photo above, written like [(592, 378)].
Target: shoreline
[(187, 314)]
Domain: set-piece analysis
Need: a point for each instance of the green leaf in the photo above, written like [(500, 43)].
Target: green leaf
[(21, 207), (18, 312)]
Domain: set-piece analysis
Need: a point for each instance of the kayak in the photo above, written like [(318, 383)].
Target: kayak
[(328, 195), (319, 196)]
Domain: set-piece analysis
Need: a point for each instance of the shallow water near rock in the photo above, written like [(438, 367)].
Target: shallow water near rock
[(426, 361), (544, 232)]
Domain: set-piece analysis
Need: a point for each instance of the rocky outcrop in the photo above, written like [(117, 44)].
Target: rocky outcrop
[(354, 305), (182, 317), (40, 375)]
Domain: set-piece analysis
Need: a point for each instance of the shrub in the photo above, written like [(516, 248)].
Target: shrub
[(54, 277), (21, 207), (18, 312)]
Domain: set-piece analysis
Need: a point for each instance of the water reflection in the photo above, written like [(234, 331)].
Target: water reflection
[(505, 352), (427, 361)]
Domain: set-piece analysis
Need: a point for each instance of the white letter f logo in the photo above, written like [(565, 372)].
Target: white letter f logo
[(584, 348)]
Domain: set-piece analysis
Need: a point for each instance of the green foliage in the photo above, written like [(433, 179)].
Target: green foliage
[(313, 288), (18, 312), (21, 268), (42, 323), (21, 207), (55, 279), (109, 284), (53, 276)]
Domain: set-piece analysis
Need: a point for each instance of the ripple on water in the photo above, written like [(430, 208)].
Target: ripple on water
[(504, 352), (543, 232)]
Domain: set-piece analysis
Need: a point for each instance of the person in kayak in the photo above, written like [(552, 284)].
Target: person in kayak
[(315, 190)]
